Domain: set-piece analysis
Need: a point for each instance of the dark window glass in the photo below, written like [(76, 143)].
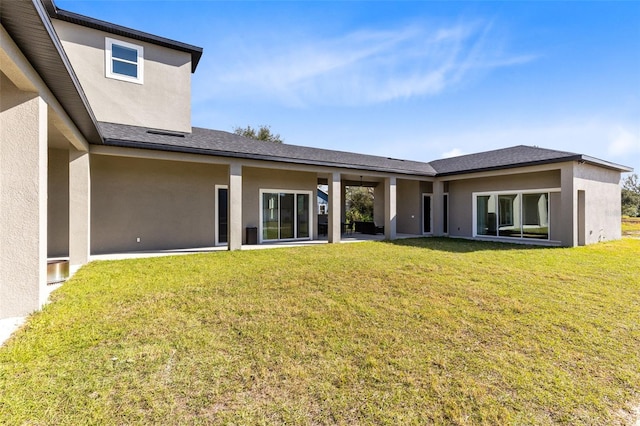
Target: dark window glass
[(125, 68), (270, 216), (535, 216), (426, 214), (286, 216), (445, 214), (303, 215), (125, 53), (486, 220), (223, 215)]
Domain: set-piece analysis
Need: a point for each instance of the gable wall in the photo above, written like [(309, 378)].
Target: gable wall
[(162, 102)]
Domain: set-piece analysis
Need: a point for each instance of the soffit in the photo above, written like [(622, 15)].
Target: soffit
[(28, 24)]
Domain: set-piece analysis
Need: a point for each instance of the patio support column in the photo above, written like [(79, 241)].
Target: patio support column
[(437, 210), (23, 201), (390, 218), (79, 209), (343, 200), (567, 228), (235, 206), (378, 205), (335, 208)]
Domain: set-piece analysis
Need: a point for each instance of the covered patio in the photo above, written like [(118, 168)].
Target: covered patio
[(346, 239)]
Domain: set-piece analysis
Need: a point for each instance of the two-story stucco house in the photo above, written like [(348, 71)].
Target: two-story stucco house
[(98, 155)]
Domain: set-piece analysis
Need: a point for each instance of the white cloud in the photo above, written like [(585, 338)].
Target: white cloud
[(455, 152), (358, 68), (601, 138), (622, 142)]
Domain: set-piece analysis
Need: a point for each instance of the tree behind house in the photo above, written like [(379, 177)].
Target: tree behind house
[(262, 133), (631, 196), (359, 202)]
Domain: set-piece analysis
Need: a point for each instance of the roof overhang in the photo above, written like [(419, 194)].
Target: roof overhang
[(577, 158), (504, 167), (606, 164), (29, 26), (249, 156), (97, 24)]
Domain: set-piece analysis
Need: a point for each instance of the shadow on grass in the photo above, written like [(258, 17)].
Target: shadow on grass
[(458, 245)]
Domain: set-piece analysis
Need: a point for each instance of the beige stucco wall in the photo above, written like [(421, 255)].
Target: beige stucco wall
[(79, 208), (23, 200), (254, 179), (557, 225), (31, 121), (409, 207), (58, 203), (378, 204), (162, 102), (461, 198), (167, 204), (602, 208)]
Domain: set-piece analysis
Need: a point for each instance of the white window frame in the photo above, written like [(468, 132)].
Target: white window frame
[(217, 218), (295, 221), (474, 212), (108, 43)]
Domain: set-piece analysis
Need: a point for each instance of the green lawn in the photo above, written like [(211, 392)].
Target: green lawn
[(423, 331), (631, 226)]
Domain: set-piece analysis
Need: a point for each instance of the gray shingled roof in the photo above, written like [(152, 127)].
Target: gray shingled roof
[(27, 22), (517, 156), (225, 144)]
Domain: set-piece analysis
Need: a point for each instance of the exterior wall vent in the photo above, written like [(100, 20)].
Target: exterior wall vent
[(166, 133)]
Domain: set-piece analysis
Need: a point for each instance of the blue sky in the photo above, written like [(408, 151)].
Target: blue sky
[(417, 80)]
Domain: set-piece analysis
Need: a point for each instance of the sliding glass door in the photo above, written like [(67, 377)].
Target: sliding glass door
[(302, 215), (286, 215), (270, 216), (486, 215), (515, 215)]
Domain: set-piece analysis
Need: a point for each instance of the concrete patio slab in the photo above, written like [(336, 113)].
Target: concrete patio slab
[(8, 326)]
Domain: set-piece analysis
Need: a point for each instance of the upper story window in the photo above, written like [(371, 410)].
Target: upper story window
[(124, 61)]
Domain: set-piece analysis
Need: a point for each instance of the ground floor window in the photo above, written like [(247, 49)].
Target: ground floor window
[(515, 215), (285, 215)]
